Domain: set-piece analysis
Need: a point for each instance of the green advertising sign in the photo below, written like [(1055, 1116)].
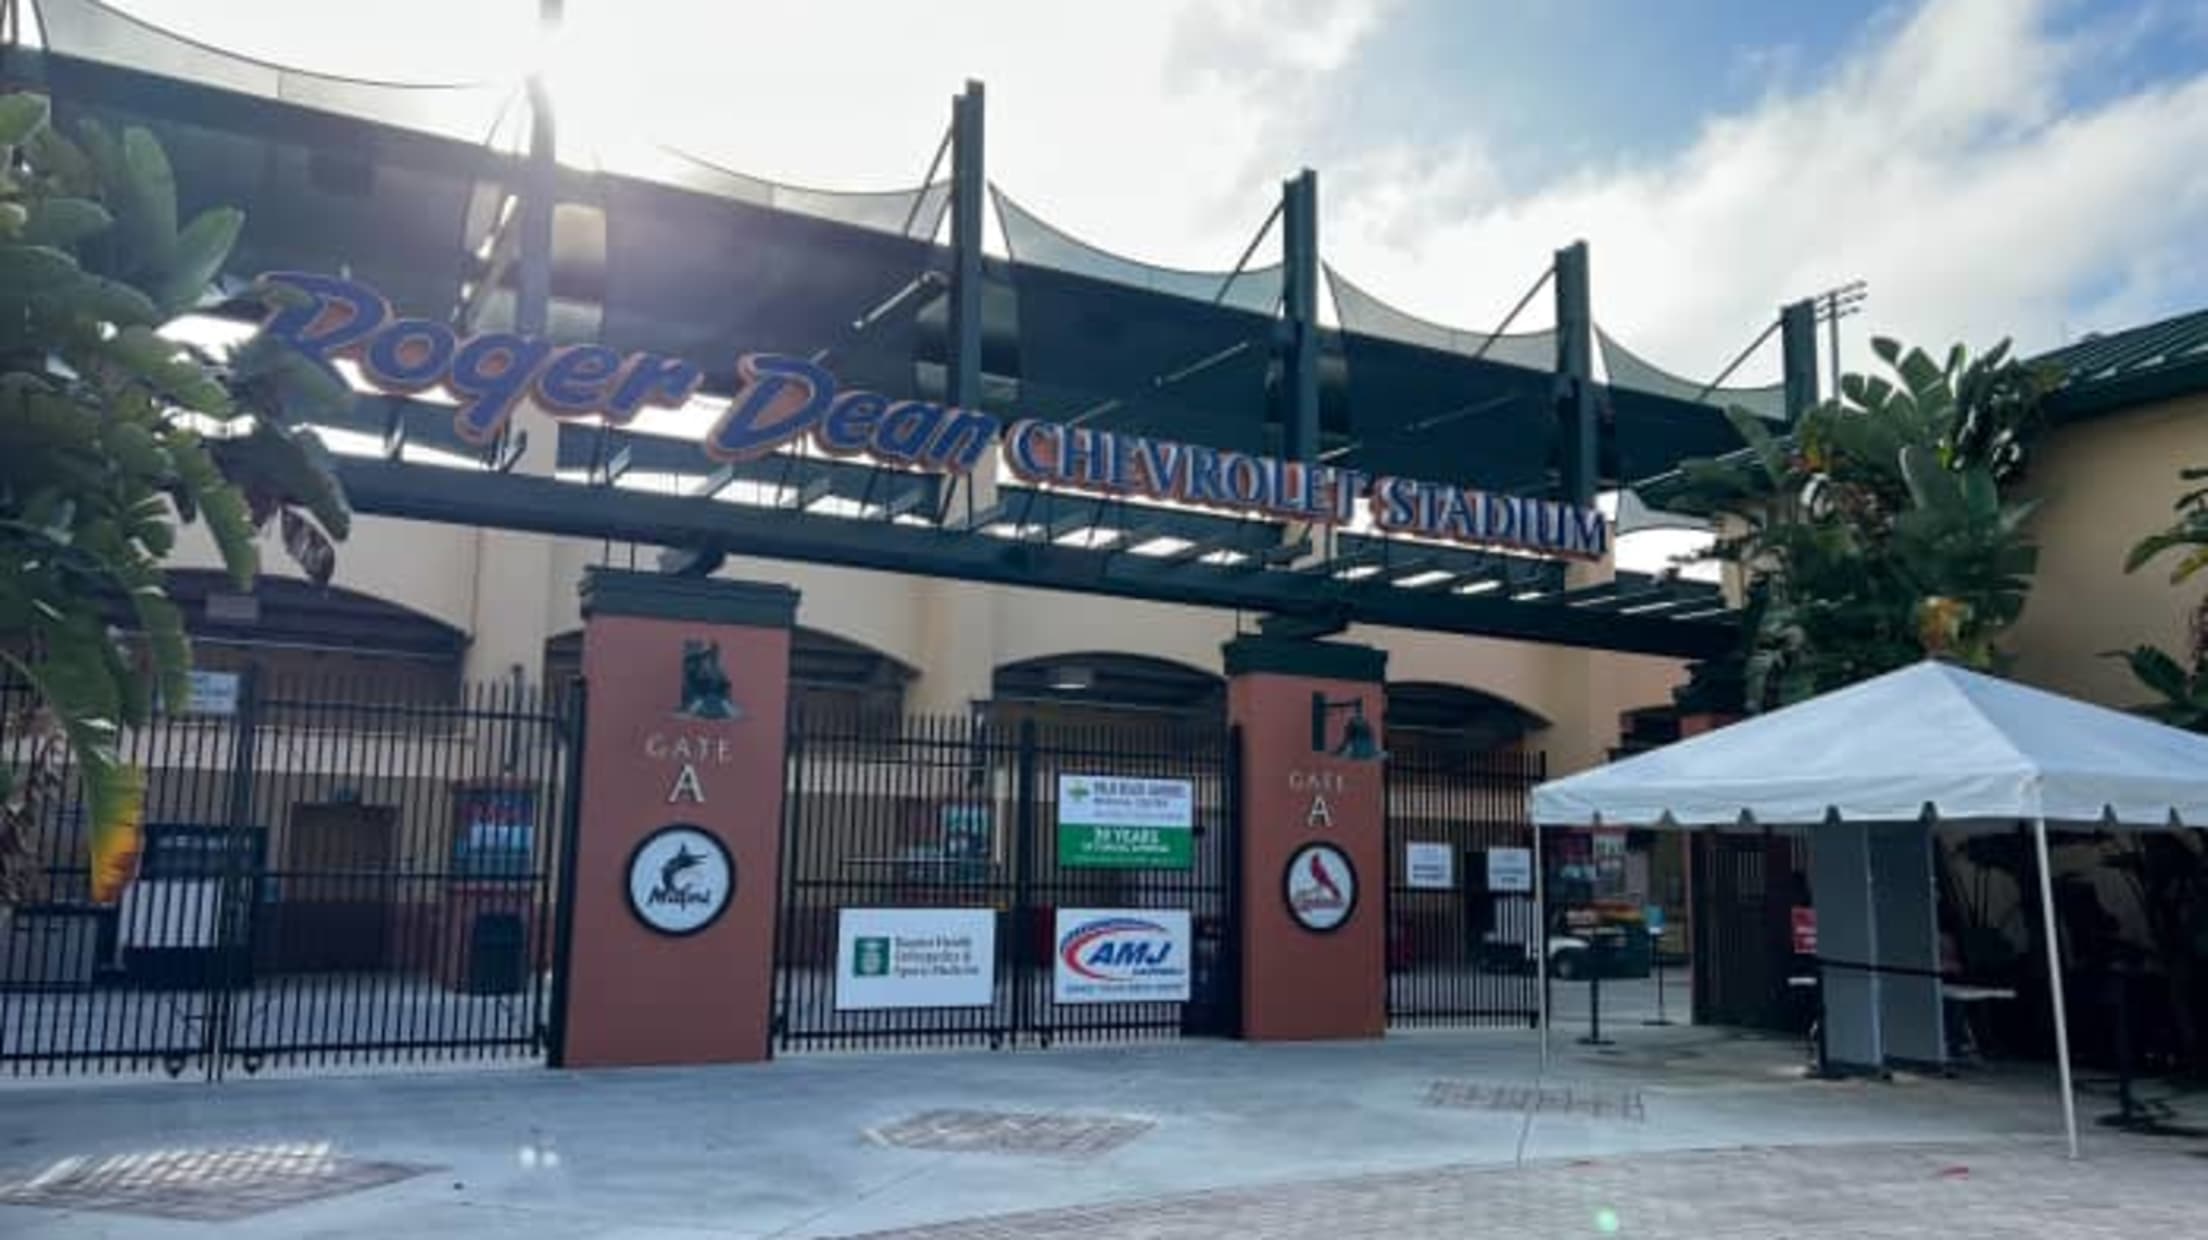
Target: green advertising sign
[(1130, 824)]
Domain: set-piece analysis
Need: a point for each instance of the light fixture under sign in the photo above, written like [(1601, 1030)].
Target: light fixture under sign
[(224, 607), (1071, 678)]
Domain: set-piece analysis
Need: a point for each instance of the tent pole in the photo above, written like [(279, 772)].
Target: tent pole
[(1541, 945), (2054, 983)]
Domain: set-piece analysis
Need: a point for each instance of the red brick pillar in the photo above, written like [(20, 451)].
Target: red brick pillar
[(1314, 850), (678, 851)]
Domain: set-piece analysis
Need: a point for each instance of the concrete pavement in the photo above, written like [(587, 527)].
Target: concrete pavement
[(829, 1145)]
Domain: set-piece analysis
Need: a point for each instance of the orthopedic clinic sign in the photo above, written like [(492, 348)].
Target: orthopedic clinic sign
[(915, 958), (781, 399)]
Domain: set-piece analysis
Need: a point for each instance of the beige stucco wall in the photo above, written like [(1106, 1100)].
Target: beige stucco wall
[(511, 592), (955, 634), (430, 568), (2104, 484)]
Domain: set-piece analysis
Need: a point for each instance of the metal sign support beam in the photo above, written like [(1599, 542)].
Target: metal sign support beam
[(1299, 233), (542, 505), (1578, 432), (1798, 357)]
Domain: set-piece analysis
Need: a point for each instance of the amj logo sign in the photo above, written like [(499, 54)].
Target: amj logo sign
[(1117, 948), (1122, 956)]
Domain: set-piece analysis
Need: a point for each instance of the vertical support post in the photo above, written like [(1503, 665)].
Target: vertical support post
[(1541, 941), (1299, 239), (1227, 989), (532, 308), (1798, 354), (1023, 870), (563, 913), (2054, 984), (1578, 434), (234, 906), (678, 858), (1314, 860), (969, 183), (245, 741)]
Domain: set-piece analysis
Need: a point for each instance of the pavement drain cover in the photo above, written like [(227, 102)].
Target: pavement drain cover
[(204, 1185), (1547, 1099), (1011, 1132)]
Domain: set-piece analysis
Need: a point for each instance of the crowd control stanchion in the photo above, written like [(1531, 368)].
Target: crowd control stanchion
[(1598, 963), (1656, 966)]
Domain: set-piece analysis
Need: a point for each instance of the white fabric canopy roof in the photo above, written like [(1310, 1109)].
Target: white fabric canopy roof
[(1966, 745)]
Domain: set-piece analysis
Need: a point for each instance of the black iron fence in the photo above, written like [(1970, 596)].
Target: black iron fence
[(932, 894), (1462, 930), (330, 874), (1747, 888)]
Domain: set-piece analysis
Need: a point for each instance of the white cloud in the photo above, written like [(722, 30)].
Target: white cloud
[(1938, 163), (1939, 159)]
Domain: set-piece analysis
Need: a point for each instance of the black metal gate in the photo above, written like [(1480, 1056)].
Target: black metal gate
[(331, 875), (1745, 889), (925, 816), (1461, 949)]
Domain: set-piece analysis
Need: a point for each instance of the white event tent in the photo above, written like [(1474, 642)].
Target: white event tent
[(1929, 741)]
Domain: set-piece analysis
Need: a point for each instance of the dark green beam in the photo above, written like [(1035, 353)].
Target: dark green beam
[(548, 506), (1798, 358), (1578, 434), (1299, 236)]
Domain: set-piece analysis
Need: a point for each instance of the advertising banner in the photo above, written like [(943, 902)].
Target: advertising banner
[(1121, 955), (1130, 824), (915, 958)]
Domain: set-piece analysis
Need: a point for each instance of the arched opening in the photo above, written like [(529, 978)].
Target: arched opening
[(830, 676), (1426, 715), (1108, 689), (287, 630)]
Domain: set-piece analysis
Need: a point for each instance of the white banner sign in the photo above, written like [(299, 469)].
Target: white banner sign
[(1121, 955), (915, 958), (213, 693), (1429, 866), (1510, 869)]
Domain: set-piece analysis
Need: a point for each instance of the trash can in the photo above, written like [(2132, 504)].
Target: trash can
[(497, 947)]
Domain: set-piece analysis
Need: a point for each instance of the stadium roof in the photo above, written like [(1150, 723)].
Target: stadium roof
[(412, 189), (2122, 370)]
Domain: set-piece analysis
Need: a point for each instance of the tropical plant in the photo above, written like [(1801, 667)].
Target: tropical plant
[(2167, 872), (2183, 692), (111, 436), (2188, 532), (1877, 532)]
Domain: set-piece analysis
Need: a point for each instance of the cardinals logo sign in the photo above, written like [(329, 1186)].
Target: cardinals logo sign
[(1321, 887)]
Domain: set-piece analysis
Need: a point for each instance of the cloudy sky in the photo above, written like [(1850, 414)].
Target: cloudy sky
[(1992, 167)]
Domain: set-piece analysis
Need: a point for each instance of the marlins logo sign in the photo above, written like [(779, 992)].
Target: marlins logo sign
[(680, 879), (1121, 955)]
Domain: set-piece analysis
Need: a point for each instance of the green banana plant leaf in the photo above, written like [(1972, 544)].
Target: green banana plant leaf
[(197, 257), (22, 115), (1880, 528), (102, 455)]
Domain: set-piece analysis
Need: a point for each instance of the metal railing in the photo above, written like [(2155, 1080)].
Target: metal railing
[(329, 875), (1459, 952), (939, 813)]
